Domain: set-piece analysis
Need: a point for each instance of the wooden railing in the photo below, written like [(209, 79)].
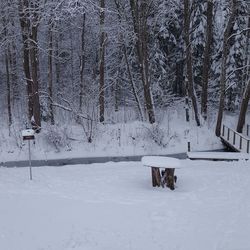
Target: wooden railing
[(237, 140)]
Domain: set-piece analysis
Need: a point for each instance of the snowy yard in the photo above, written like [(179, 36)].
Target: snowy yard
[(113, 206)]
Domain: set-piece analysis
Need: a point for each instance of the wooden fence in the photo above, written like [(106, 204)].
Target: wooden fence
[(236, 140)]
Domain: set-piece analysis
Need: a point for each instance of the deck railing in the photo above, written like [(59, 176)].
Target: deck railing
[(237, 140)]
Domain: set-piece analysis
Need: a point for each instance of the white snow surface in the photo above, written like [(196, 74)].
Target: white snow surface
[(28, 132), (160, 162), (113, 206)]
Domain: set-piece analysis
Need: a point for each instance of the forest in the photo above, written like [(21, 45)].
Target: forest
[(106, 61)]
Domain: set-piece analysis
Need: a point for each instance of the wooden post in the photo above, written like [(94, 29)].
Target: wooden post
[(169, 177), (30, 161), (248, 126), (189, 146), (248, 142), (156, 177), (223, 130), (228, 133), (234, 138), (240, 142)]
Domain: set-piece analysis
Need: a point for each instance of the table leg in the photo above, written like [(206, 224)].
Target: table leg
[(156, 177)]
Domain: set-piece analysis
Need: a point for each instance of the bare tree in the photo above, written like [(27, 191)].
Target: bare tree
[(50, 71), (29, 20), (243, 108), (82, 61), (129, 71), (7, 69), (225, 51), (207, 58), (102, 62), (140, 12), (189, 63), (247, 49)]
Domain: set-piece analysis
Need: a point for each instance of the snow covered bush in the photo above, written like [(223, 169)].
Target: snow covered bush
[(57, 137), (157, 134)]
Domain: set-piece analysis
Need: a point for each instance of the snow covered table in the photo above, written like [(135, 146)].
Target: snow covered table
[(166, 176)]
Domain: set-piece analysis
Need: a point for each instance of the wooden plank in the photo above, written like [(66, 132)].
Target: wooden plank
[(217, 156)]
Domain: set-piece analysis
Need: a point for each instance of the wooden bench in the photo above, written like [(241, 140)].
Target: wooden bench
[(165, 177), (217, 156)]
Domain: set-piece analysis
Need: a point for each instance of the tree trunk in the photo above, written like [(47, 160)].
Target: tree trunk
[(8, 90), (189, 64), (137, 99), (156, 177), (82, 62), (7, 68), (117, 95), (225, 51), (30, 13), (50, 73), (207, 58), (57, 61), (243, 108), (13, 71), (34, 72), (179, 87), (130, 76), (169, 177), (102, 62), (187, 103), (14, 76), (25, 26), (140, 18), (247, 53)]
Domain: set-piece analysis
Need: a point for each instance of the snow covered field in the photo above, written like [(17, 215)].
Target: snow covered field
[(113, 206)]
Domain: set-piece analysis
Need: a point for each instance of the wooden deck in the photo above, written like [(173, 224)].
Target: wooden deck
[(218, 156), (234, 140)]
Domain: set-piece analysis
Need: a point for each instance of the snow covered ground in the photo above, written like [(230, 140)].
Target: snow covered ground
[(68, 140), (113, 206)]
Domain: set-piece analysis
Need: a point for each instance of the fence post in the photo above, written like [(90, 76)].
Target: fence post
[(223, 130), (240, 142), (248, 129), (189, 146), (234, 138), (248, 142), (228, 133)]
